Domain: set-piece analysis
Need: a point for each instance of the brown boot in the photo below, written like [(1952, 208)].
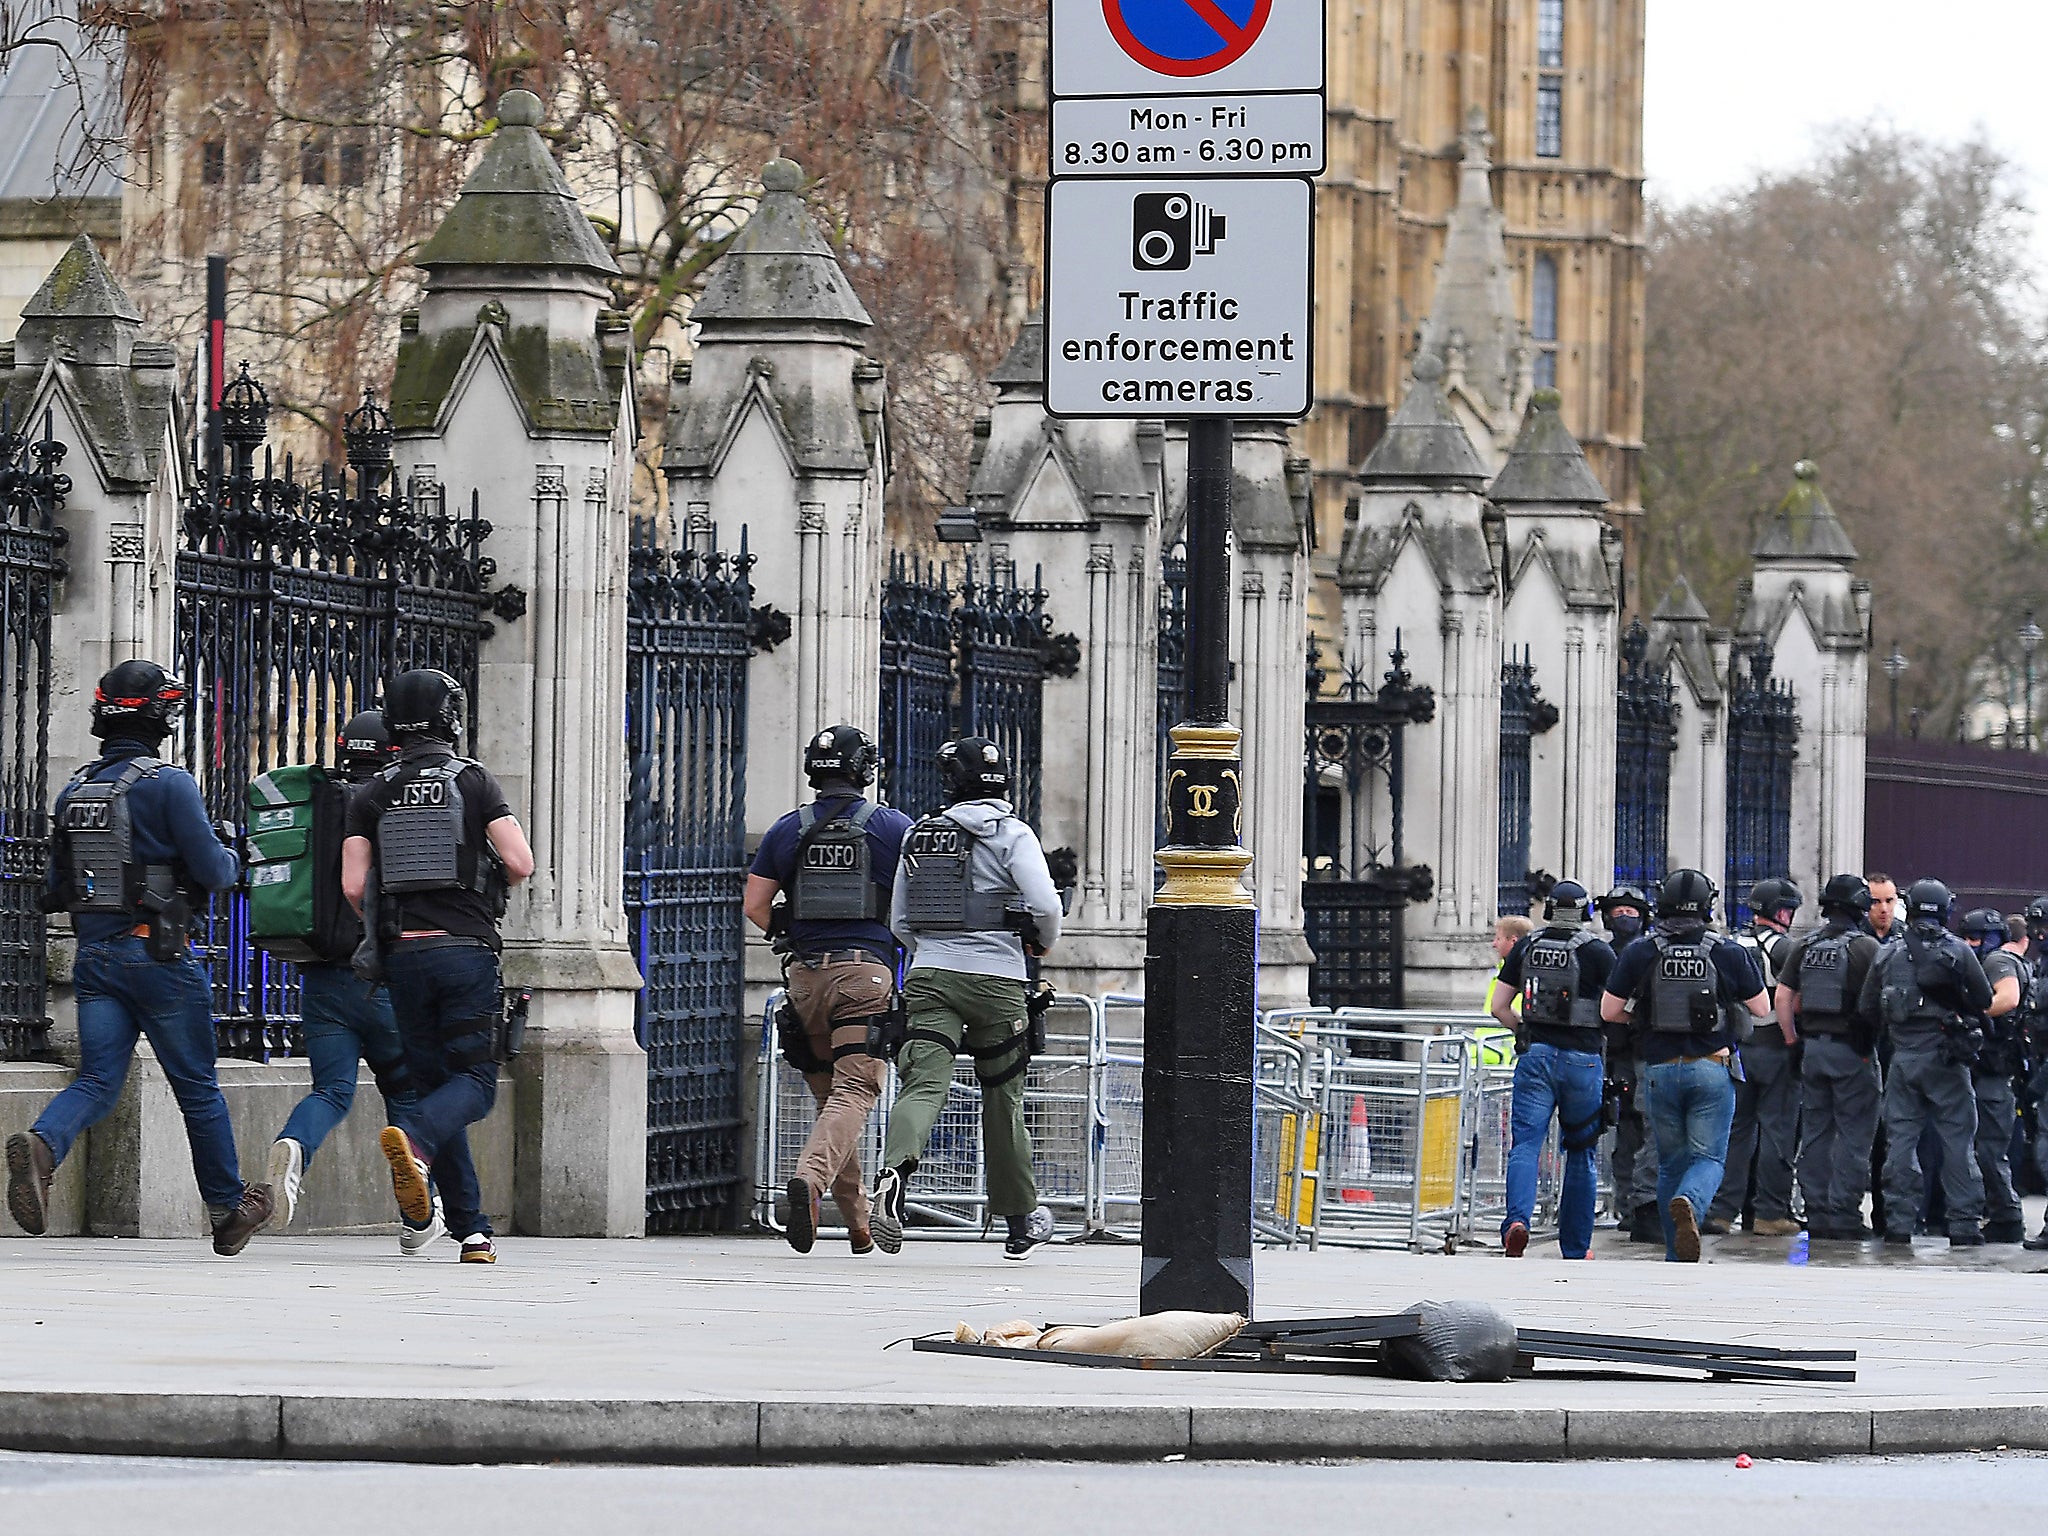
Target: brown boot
[(803, 1216), (232, 1232), (859, 1237), (30, 1168)]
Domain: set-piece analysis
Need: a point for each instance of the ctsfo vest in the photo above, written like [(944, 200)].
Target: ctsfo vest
[(101, 873), (421, 842), (938, 893), (1684, 987), (1824, 976), (1550, 982), (834, 874)]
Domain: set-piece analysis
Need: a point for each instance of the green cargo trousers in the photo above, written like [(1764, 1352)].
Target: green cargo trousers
[(987, 1013)]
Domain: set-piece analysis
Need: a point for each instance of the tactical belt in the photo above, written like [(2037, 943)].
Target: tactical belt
[(440, 941), (837, 957)]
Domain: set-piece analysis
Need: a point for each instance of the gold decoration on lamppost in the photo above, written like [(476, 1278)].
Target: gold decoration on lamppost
[(1203, 862)]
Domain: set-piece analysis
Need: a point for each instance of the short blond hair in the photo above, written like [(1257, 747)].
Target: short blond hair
[(1512, 927)]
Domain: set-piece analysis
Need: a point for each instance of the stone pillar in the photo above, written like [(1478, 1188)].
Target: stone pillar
[(1697, 654), (513, 379), (776, 427), (1270, 516), (1422, 563), (1563, 610), (1075, 504)]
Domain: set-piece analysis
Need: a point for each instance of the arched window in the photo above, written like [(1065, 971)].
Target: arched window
[(1543, 320), (1550, 86)]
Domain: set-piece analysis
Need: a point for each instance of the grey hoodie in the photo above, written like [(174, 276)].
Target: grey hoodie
[(1006, 861)]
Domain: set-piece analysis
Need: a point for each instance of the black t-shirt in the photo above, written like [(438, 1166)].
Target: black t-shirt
[(463, 912), (1863, 949), (1596, 960)]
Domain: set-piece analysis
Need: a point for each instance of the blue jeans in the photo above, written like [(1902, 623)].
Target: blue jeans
[(1692, 1105), (123, 994), (446, 1000), (346, 1019), (1550, 1080)]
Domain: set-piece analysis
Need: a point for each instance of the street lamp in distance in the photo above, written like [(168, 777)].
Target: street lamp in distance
[(1895, 668), (2029, 638)]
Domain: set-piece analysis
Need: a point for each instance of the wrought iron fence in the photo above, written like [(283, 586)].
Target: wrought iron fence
[(1763, 739), (917, 682), (1524, 715), (32, 492), (687, 643), (1172, 672), (1002, 647), (296, 600), (1646, 731)]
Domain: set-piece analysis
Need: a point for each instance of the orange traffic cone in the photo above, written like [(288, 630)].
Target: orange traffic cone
[(1354, 1168)]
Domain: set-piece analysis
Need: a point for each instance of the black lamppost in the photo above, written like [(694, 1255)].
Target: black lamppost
[(2029, 638), (1895, 668)]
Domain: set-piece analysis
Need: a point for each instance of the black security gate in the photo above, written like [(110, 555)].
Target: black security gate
[(967, 660), (687, 642), (1524, 715), (32, 493), (297, 599), (1645, 732), (1358, 884), (1763, 739)]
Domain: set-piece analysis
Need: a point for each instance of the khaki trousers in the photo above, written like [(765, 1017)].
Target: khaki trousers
[(834, 1003)]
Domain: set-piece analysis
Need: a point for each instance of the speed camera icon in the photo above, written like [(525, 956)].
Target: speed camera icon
[(1170, 229)]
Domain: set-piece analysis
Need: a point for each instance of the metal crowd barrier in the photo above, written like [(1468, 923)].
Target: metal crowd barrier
[(1371, 1129)]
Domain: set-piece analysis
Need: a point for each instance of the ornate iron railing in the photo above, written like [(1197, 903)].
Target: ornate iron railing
[(688, 626), (1524, 715), (296, 600), (1645, 733), (917, 682), (1763, 740), (32, 492)]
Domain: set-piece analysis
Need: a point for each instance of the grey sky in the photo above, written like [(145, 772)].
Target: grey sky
[(1733, 87)]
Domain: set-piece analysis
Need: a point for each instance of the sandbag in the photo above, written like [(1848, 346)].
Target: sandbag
[(1161, 1336), (1458, 1341), (1016, 1334)]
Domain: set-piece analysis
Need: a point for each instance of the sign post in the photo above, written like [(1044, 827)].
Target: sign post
[(1179, 248)]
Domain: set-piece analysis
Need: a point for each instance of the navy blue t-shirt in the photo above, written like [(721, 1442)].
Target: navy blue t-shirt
[(775, 860), (1739, 980), (168, 825)]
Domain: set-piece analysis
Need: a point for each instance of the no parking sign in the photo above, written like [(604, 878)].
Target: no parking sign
[(1162, 47)]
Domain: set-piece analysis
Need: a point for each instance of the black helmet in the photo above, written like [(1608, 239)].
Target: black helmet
[(973, 768), (1981, 923), (1687, 893), (1568, 902), (2037, 912), (1767, 898), (1928, 901), (1849, 894), (137, 699), (363, 745), (842, 752), (424, 702)]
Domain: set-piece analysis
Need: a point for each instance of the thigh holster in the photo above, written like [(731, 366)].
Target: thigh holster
[(467, 1043), (995, 1065)]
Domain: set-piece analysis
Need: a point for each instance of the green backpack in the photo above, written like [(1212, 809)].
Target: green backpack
[(297, 819)]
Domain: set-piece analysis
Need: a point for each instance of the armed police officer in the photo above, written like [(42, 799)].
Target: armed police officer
[(836, 861), (2035, 1101), (434, 847), (1764, 1138), (347, 1020), (1625, 911), (1558, 972), (1820, 977), (1998, 1063), (132, 852), (973, 899), (1689, 997), (1924, 990)]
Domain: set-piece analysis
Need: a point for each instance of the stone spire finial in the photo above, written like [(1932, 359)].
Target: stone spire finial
[(1805, 526), (1424, 442), (1023, 366), (779, 271), (1546, 467), (517, 209), (81, 302), (1475, 296)]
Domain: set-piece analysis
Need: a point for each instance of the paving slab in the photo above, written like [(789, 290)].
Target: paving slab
[(735, 1349)]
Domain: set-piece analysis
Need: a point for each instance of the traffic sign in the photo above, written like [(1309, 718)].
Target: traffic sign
[(1188, 135), (1168, 297), (1184, 47)]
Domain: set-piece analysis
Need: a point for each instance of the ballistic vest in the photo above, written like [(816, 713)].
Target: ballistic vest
[(938, 893), (1550, 982), (99, 842), (1685, 988), (834, 878), (421, 844), (1824, 973)]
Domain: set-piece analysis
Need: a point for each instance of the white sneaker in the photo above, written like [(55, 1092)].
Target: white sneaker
[(414, 1241), (477, 1248), (287, 1172)]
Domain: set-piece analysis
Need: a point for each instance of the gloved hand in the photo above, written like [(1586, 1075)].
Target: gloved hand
[(229, 834)]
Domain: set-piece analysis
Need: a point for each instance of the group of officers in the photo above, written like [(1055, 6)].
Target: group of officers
[(1880, 1051), (421, 863)]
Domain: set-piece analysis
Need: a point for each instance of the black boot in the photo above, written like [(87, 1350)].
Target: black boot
[(2009, 1231), (1645, 1226)]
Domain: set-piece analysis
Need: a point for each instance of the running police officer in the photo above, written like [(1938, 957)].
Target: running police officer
[(1688, 996), (434, 847), (971, 882), (346, 1019), (1924, 990), (1765, 1136), (1819, 979), (1998, 1063), (1626, 912), (836, 859), (1559, 972), (132, 849)]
